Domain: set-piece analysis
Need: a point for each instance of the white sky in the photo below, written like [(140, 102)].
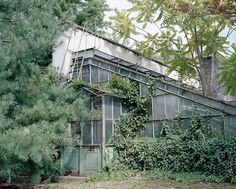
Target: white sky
[(124, 4)]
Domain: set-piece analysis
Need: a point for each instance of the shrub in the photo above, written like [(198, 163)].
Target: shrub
[(211, 156)]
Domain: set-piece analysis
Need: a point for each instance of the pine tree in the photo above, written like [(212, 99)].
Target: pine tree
[(36, 105)]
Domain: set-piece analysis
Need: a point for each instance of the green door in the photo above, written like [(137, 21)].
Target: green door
[(90, 160)]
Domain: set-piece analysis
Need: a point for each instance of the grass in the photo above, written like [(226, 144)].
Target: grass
[(137, 183), (143, 180)]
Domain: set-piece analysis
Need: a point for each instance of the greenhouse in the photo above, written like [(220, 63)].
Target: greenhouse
[(171, 99)]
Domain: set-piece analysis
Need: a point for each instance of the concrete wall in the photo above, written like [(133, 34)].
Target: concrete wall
[(76, 40), (214, 88)]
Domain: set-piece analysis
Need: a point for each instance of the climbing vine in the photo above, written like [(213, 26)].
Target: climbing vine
[(131, 124)]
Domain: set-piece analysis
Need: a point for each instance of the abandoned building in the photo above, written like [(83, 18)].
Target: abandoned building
[(92, 58)]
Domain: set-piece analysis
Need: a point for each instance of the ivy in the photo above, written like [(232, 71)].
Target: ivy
[(132, 124)]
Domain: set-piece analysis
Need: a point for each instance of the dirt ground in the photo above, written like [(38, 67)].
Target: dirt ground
[(137, 184)]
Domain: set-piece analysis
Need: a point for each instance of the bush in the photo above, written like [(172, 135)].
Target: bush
[(210, 156)]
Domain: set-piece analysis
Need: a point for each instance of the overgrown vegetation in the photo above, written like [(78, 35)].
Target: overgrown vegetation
[(186, 33), (179, 150), (36, 104)]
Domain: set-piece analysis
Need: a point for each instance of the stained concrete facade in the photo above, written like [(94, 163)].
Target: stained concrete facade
[(77, 39)]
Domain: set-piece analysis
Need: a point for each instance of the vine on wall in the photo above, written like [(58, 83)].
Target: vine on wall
[(132, 124)]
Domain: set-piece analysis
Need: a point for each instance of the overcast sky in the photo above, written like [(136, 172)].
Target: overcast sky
[(124, 4)]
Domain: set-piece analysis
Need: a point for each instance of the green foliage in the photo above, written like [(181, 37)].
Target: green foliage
[(30, 141), (194, 150), (152, 175), (111, 175), (124, 27), (36, 105), (131, 124), (185, 34), (90, 13), (228, 69)]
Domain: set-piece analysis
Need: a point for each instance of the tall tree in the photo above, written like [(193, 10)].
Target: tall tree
[(35, 105), (186, 34), (225, 7), (90, 13)]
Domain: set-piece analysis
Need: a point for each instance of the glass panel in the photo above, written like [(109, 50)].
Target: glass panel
[(124, 108), (186, 123), (114, 68), (97, 103), (159, 92), (86, 74), (109, 76), (116, 108), (213, 111), (104, 65), (97, 132), (144, 79), (158, 107), (171, 105), (75, 128), (108, 130), (103, 75), (185, 107), (149, 130), (172, 89), (87, 133), (149, 107), (230, 125), (157, 129), (217, 125), (133, 75), (94, 74), (108, 107), (124, 72), (144, 89), (95, 62)]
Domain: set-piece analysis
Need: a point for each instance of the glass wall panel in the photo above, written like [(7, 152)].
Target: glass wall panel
[(108, 107), (143, 89), (124, 72), (217, 125), (86, 74), (97, 132), (133, 75), (116, 108), (104, 65), (75, 128), (158, 108), (95, 62), (104, 75), (172, 89), (108, 130), (87, 133), (124, 108), (97, 103), (115, 69), (200, 109), (213, 112), (94, 74), (185, 107), (230, 125), (149, 130), (171, 106), (157, 129), (159, 92)]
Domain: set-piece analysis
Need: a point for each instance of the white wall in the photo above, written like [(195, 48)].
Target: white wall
[(77, 40)]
